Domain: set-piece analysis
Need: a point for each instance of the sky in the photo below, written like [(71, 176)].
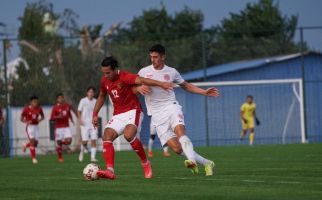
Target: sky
[(111, 11)]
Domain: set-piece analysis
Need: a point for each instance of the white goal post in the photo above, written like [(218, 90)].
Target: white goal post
[(296, 87)]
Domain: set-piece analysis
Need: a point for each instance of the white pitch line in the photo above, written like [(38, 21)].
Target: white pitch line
[(240, 180)]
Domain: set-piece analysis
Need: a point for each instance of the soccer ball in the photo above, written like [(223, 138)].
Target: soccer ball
[(90, 171)]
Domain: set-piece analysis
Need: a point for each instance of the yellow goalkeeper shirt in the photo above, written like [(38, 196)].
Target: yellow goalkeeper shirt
[(248, 110)]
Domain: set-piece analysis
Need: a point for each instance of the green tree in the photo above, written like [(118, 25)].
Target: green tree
[(56, 64), (259, 30), (180, 33)]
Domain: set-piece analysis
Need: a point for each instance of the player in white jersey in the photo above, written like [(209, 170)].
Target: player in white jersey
[(88, 132), (166, 112)]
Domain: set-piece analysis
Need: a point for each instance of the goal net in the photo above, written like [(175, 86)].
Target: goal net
[(216, 121)]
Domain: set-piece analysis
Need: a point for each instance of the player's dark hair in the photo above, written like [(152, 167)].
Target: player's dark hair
[(59, 94), (91, 88), (110, 61), (33, 97), (250, 96), (157, 48)]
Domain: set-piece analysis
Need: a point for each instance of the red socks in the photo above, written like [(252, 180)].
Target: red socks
[(108, 154), (59, 152), (32, 151), (138, 148)]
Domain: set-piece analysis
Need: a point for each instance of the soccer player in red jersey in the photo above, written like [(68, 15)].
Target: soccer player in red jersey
[(127, 116), (31, 115), (60, 114)]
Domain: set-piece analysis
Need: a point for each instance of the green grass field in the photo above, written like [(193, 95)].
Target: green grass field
[(260, 172)]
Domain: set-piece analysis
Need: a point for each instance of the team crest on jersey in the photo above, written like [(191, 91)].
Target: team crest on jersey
[(166, 77)]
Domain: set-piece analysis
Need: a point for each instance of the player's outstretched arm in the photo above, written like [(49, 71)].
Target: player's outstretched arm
[(141, 89), (146, 81), (212, 92), (98, 105)]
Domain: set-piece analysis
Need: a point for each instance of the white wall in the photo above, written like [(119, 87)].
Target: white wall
[(19, 137)]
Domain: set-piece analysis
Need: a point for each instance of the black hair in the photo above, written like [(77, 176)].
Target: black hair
[(33, 97), (110, 61), (250, 96), (157, 48), (91, 88), (59, 94)]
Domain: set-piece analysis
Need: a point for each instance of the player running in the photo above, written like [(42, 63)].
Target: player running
[(166, 112), (61, 114), (88, 132), (248, 117), (153, 133), (31, 115), (127, 116)]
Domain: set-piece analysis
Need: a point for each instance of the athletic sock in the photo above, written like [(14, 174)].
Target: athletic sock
[(138, 148), (108, 154), (251, 138), (201, 160), (150, 144), (59, 152), (93, 152), (32, 152), (187, 148), (165, 149), (82, 148)]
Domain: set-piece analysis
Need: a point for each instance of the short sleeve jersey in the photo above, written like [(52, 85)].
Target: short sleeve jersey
[(120, 92), (158, 98), (248, 110), (32, 114), (63, 111), (86, 107)]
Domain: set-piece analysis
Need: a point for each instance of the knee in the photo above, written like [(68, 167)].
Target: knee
[(129, 137), (109, 135), (177, 149), (68, 141)]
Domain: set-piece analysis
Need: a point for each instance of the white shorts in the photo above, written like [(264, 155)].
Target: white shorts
[(153, 130), (166, 121), (88, 132), (120, 121), (63, 133), (32, 131)]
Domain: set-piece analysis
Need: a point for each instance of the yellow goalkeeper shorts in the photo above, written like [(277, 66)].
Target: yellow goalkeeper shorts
[(249, 125)]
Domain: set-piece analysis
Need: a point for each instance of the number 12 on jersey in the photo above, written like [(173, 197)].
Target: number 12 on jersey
[(114, 92)]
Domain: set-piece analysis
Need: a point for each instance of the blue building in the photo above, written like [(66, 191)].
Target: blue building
[(279, 67), (217, 121)]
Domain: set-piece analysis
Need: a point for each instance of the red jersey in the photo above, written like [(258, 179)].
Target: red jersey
[(31, 114), (60, 113), (121, 92)]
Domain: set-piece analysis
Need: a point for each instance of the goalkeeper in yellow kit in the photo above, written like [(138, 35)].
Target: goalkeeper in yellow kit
[(248, 119)]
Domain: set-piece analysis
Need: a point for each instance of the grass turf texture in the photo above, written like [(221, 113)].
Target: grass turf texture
[(260, 172)]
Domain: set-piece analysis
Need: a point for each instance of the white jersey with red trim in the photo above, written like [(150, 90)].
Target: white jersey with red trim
[(159, 98)]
